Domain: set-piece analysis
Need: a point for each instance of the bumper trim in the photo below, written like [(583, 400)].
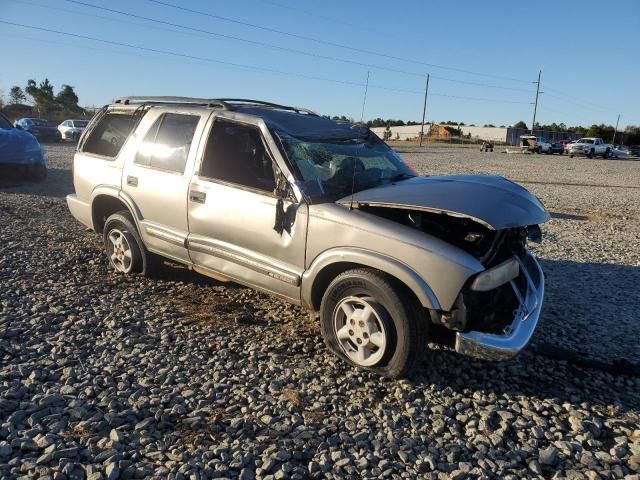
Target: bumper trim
[(489, 346)]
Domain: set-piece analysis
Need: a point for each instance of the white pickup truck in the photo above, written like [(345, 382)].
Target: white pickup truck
[(591, 147)]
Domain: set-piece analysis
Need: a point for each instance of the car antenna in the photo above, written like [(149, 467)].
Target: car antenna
[(353, 182)]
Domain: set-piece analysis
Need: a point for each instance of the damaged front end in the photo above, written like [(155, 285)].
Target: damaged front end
[(496, 313)]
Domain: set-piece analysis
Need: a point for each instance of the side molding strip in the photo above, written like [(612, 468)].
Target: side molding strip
[(266, 269)]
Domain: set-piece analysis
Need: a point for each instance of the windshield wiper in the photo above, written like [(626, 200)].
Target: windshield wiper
[(400, 176)]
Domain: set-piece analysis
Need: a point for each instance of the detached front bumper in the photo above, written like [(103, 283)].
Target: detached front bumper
[(490, 346)]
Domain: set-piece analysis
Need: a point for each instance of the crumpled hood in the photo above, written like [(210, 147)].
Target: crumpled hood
[(493, 201)]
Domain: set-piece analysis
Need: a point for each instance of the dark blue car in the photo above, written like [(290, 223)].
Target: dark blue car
[(43, 130), (21, 156)]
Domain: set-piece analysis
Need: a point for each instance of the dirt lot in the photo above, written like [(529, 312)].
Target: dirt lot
[(181, 377)]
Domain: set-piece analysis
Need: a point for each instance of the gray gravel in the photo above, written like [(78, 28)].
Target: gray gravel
[(181, 377)]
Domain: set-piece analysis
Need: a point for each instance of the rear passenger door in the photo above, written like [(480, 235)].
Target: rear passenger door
[(156, 178)]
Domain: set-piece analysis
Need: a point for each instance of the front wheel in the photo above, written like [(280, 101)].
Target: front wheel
[(124, 248), (370, 322), (606, 154)]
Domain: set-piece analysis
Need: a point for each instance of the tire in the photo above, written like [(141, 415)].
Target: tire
[(120, 228), (591, 153), (396, 320), (606, 154)]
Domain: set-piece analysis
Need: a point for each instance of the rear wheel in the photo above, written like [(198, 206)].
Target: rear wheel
[(370, 322), (124, 248)]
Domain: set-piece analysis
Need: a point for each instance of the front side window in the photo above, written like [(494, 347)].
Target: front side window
[(109, 134), (80, 123), (167, 143), (333, 167), (235, 153)]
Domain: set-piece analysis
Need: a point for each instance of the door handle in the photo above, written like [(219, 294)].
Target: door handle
[(197, 196), (131, 180)]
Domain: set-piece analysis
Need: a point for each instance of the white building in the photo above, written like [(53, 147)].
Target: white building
[(495, 134)]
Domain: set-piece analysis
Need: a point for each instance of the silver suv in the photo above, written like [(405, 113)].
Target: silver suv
[(320, 213)]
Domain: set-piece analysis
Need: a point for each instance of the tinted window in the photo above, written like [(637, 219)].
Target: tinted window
[(80, 123), (109, 134), (166, 145), (236, 153)]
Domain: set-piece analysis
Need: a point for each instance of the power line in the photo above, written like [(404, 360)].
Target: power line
[(577, 104), (333, 44), (572, 97), (243, 66), (244, 40), (323, 17), (272, 46)]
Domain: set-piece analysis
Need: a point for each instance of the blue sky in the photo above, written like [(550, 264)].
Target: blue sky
[(588, 52)]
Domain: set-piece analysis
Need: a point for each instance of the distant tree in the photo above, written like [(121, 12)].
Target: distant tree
[(472, 124), (502, 126), (42, 95), (16, 95), (489, 125), (387, 133), (520, 124), (461, 124), (67, 98)]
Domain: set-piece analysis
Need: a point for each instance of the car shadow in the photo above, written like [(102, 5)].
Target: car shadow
[(58, 184)]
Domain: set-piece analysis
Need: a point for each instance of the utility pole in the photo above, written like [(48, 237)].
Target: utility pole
[(364, 100), (613, 141), (535, 107), (424, 109)]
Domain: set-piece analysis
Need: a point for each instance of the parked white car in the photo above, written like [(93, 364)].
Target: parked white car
[(72, 129), (535, 144), (591, 147), (620, 152)]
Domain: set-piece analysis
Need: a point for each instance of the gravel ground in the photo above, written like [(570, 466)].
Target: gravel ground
[(181, 377)]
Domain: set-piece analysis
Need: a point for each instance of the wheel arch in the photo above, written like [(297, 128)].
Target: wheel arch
[(108, 200), (331, 263)]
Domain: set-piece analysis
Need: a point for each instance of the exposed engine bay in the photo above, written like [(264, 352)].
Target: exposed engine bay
[(487, 311)]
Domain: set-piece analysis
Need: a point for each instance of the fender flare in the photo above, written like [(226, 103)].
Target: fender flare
[(367, 258), (115, 192)]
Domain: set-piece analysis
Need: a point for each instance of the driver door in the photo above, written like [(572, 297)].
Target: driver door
[(232, 209)]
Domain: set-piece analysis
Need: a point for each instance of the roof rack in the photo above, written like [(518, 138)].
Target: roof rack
[(209, 102), (224, 103), (260, 103)]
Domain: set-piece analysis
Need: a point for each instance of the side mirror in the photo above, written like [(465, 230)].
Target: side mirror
[(283, 189), (18, 126)]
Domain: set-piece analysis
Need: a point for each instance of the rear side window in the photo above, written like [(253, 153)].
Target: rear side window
[(167, 143), (109, 135)]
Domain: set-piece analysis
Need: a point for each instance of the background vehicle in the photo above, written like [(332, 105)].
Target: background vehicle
[(590, 146), (543, 145), (564, 144), (21, 156), (620, 152), (486, 146), (72, 129), (557, 147), (43, 130), (320, 213)]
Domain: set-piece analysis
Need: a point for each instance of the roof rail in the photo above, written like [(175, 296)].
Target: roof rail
[(209, 102), (224, 103), (246, 101)]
